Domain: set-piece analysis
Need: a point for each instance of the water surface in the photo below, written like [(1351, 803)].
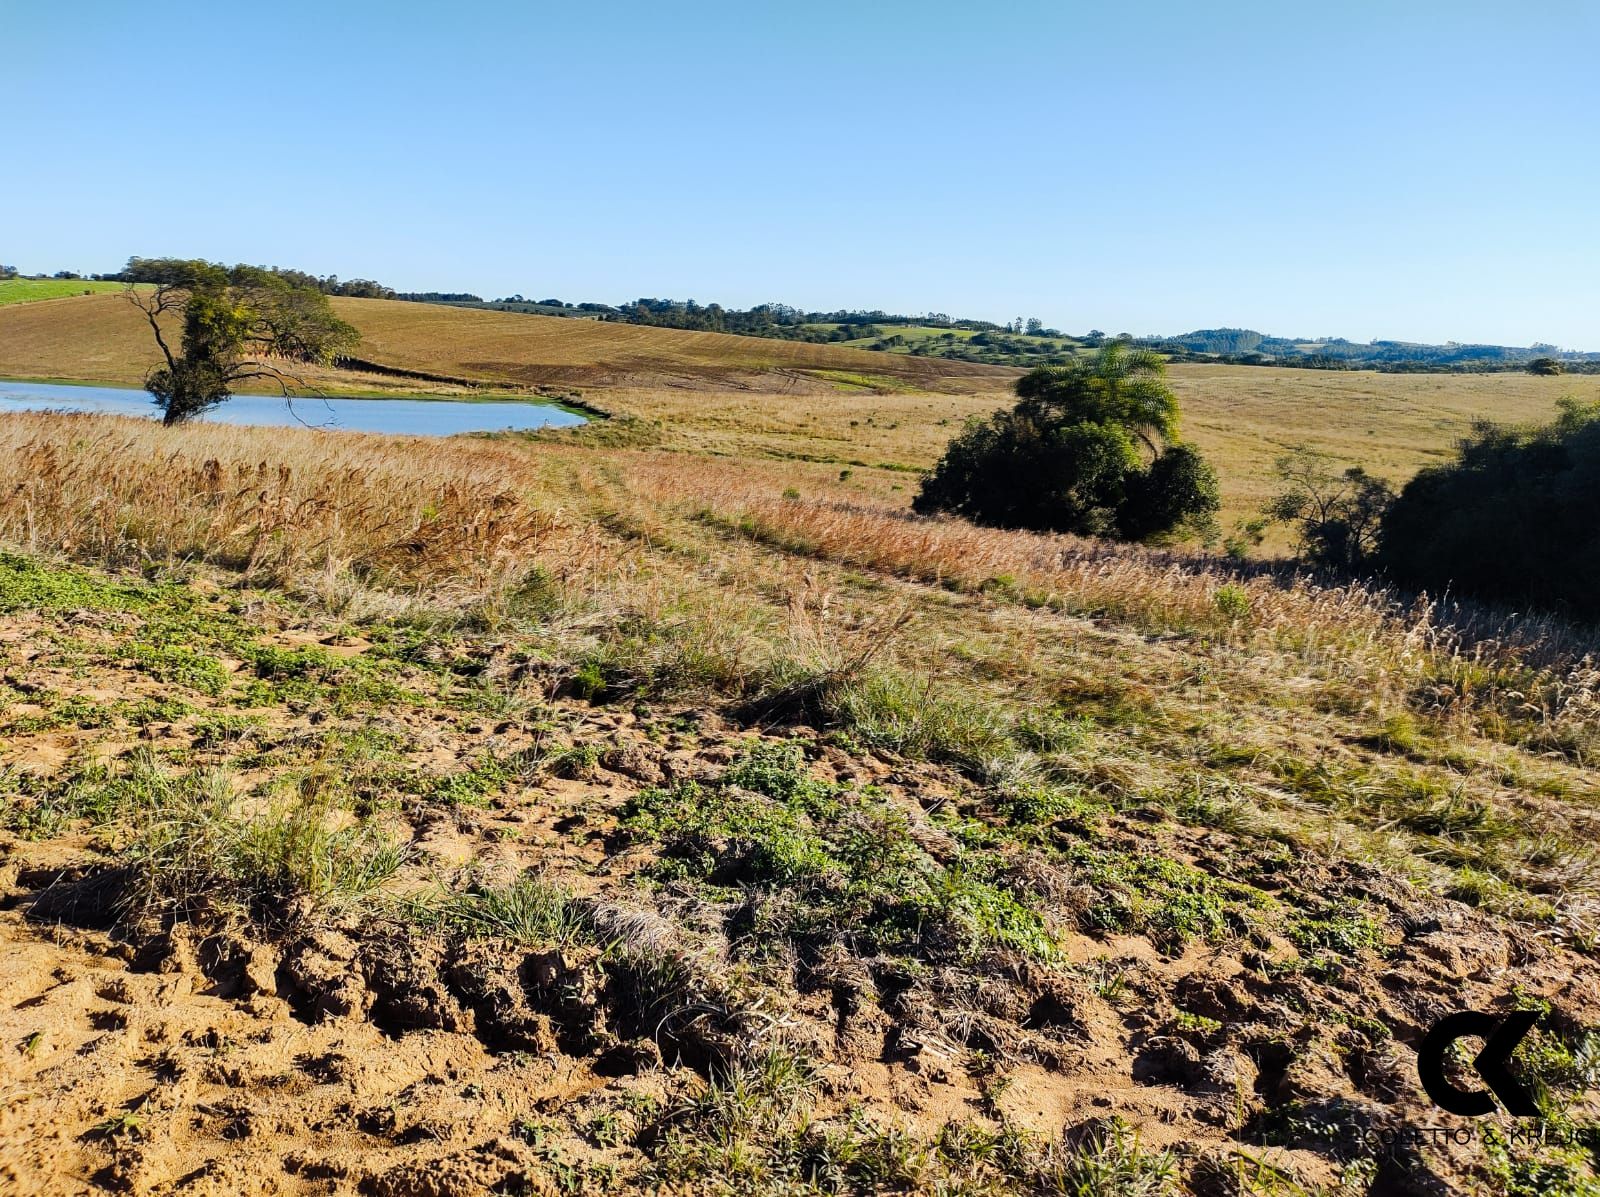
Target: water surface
[(413, 417)]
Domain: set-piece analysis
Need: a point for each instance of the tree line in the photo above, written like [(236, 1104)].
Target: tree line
[(1020, 342), (790, 323), (159, 271)]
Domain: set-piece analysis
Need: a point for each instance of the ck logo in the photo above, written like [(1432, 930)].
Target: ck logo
[(1500, 1038)]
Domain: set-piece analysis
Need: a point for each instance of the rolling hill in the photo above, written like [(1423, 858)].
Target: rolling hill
[(674, 796), (722, 393), (99, 338)]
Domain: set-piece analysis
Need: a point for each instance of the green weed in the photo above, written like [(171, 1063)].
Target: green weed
[(531, 911), (194, 852), (847, 859)]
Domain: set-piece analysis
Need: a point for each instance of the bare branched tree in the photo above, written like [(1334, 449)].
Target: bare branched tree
[(1337, 514)]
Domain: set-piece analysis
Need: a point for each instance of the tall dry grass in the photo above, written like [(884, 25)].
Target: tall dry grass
[(1447, 657), (278, 504), (465, 521)]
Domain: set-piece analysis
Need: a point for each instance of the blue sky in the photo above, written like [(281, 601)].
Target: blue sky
[(1410, 169)]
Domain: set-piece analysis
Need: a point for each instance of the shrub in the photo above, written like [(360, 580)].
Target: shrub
[(1336, 515), (1090, 448), (1511, 520), (194, 850), (1232, 602)]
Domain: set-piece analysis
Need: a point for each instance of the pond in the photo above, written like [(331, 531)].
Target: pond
[(412, 417)]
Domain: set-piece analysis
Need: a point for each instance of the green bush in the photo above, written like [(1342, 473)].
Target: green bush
[(1090, 448), (1511, 520), (1337, 514)]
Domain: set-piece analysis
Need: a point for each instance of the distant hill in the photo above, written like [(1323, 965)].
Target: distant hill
[(1245, 346), (1029, 343), (547, 350)]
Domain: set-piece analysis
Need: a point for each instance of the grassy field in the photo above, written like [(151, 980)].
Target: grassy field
[(911, 332), (657, 805), (1243, 417), (26, 290), (592, 353), (1392, 424), (101, 338), (911, 335), (882, 416)]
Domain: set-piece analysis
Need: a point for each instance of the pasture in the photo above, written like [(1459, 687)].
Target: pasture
[(101, 338), (704, 734), (28, 290), (884, 416), (1242, 417), (773, 826)]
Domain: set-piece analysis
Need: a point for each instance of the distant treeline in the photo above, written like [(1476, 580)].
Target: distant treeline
[(153, 270), (777, 320), (462, 297), (1244, 346), (1029, 343), (1020, 342)]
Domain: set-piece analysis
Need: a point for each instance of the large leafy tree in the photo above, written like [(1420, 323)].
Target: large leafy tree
[(234, 324), (1090, 448)]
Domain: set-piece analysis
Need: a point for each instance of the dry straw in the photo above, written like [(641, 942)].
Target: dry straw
[(277, 504)]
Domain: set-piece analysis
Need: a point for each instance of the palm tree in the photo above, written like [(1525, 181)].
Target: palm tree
[(1134, 384), (1118, 386)]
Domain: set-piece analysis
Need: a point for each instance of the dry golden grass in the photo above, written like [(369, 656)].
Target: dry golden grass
[(757, 398), (552, 350), (1234, 722), (905, 430), (277, 504), (471, 515), (460, 520), (1244, 417), (694, 573), (1457, 660), (87, 338)]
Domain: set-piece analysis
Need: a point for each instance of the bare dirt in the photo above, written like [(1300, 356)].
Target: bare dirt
[(356, 1049)]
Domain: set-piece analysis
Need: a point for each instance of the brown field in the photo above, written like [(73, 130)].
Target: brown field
[(850, 408), (101, 338), (1391, 424), (548, 350), (658, 806)]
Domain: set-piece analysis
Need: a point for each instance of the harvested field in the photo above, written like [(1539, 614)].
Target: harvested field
[(101, 338)]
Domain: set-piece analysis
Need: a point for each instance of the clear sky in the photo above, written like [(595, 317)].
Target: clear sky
[(1411, 169)]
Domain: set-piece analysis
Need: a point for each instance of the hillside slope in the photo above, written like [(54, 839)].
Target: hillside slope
[(382, 816), (728, 394), (87, 338), (550, 350), (100, 338)]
